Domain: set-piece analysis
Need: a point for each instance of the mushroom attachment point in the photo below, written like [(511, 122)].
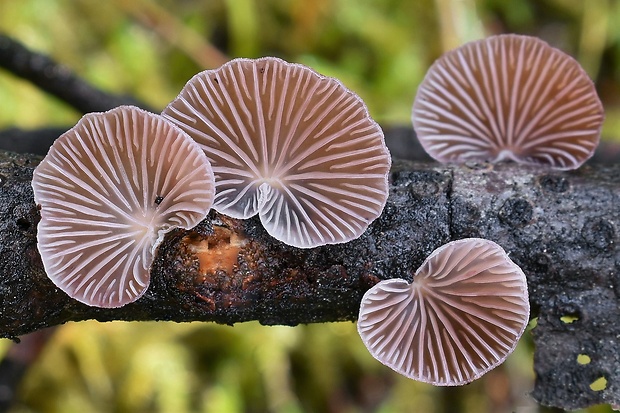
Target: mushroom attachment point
[(98, 189), (508, 97), (297, 148), (462, 315)]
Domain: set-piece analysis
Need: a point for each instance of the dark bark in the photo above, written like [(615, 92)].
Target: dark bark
[(56, 79), (34, 141), (560, 227)]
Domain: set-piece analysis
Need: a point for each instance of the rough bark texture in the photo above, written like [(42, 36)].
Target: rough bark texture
[(559, 227)]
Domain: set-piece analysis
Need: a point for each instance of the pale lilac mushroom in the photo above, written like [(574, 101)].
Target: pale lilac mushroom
[(462, 315), (508, 97), (109, 189), (295, 147)]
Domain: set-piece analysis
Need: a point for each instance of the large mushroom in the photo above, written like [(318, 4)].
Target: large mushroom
[(508, 97), (297, 148), (462, 315), (109, 189)]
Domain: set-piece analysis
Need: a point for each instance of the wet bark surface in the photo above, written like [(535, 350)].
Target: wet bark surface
[(560, 227)]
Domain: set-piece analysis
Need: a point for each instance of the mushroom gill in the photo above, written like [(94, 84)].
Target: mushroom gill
[(462, 315), (508, 97), (297, 148), (109, 189)]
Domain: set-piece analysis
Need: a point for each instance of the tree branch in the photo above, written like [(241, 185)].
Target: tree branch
[(560, 227), (56, 79)]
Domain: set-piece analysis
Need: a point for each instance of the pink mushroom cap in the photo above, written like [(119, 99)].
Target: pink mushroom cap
[(297, 148), (462, 315), (508, 97), (109, 190)]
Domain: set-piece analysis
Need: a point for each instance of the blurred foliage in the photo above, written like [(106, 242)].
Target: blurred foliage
[(198, 367), (381, 50)]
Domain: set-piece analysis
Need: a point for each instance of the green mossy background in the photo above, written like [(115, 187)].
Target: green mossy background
[(379, 49)]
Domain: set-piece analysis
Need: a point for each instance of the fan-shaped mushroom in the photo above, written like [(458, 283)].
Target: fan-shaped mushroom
[(293, 146), (508, 97), (109, 189), (460, 317)]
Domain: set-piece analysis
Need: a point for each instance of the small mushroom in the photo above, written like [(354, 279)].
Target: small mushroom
[(508, 97), (297, 148), (460, 317), (109, 190)]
